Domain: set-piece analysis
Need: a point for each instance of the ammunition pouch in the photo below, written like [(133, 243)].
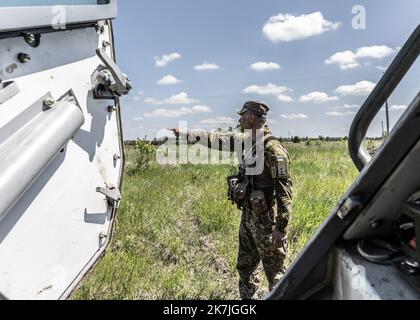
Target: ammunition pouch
[(258, 202), (238, 190)]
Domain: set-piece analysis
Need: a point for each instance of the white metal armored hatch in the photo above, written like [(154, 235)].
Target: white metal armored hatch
[(61, 152)]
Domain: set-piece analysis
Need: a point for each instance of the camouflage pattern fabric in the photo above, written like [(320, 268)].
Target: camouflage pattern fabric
[(255, 234), (283, 187), (256, 245)]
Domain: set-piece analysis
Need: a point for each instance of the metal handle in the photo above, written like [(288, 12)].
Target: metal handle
[(383, 90), (122, 84)]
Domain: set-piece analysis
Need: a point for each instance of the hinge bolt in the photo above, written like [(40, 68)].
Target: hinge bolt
[(103, 235), (100, 28), (48, 102), (24, 57), (117, 156)]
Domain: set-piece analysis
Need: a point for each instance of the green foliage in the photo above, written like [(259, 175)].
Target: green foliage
[(176, 233), (313, 142), (143, 153), (373, 145), (144, 147), (296, 139)]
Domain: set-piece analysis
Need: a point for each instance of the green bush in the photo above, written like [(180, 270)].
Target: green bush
[(373, 146), (144, 147), (142, 155), (311, 143), (296, 139)]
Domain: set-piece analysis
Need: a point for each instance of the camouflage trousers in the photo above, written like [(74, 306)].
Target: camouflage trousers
[(256, 245)]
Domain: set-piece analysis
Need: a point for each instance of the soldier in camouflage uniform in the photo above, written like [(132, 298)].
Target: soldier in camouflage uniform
[(267, 208)]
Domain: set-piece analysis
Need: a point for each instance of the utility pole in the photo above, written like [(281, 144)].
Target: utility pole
[(383, 132), (387, 118)]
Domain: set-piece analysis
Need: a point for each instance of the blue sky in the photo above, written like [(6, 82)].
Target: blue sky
[(303, 58)]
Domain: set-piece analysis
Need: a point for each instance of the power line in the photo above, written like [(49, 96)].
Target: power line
[(261, 82), (256, 82), (296, 92), (387, 118)]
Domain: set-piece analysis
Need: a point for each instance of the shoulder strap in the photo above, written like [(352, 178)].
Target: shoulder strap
[(269, 138)]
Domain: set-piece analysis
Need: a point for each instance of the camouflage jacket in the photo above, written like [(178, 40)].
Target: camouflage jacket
[(281, 187)]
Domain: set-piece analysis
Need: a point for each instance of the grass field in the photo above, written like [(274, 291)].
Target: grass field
[(176, 233)]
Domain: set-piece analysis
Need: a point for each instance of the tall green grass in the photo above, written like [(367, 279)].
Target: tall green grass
[(176, 233)]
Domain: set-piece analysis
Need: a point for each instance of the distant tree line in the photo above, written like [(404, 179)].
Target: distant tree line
[(294, 139), (154, 142), (297, 139)]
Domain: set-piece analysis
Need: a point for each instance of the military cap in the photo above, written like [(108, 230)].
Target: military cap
[(258, 108)]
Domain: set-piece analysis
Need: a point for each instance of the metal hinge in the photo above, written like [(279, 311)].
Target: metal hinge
[(108, 81), (113, 195), (347, 206)]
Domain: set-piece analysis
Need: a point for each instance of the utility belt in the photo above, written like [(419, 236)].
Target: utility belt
[(242, 193)]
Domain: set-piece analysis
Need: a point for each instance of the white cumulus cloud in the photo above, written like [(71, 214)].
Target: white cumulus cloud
[(362, 88), (284, 98), (340, 114), (218, 120), (181, 98), (287, 27), (264, 66), (166, 58), (317, 97), (349, 106), (294, 116), (176, 113), (270, 89), (201, 109), (347, 60), (168, 79), (206, 66), (375, 52), (398, 108)]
